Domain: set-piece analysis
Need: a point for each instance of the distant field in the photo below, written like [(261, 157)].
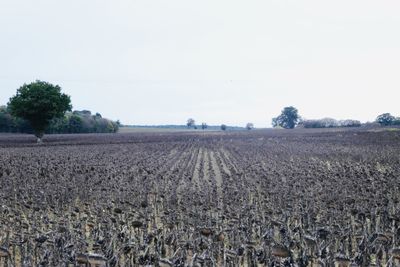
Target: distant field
[(151, 129), (171, 129), (194, 198)]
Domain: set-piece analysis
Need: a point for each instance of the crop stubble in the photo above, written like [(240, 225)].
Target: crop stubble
[(302, 198)]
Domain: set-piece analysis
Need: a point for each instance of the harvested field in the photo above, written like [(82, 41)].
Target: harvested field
[(257, 198)]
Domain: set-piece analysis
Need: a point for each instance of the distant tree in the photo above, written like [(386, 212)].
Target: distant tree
[(311, 124), (204, 126), (71, 122), (102, 125), (288, 118), (249, 126), (320, 123), (350, 123), (190, 122), (75, 124), (59, 125), (6, 120), (223, 127), (385, 119), (38, 103), (82, 112), (21, 126), (116, 126), (329, 123)]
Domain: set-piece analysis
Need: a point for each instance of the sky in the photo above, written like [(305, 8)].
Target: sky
[(149, 62)]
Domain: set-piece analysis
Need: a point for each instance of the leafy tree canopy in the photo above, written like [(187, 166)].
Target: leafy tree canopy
[(288, 118), (38, 103), (385, 119), (249, 126), (190, 122)]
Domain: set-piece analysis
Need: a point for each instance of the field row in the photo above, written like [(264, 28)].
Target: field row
[(212, 199)]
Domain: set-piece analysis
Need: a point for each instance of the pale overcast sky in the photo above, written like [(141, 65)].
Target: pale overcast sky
[(161, 62)]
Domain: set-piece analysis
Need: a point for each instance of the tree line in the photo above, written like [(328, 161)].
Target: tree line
[(191, 123), (290, 118), (41, 107), (387, 119), (71, 122)]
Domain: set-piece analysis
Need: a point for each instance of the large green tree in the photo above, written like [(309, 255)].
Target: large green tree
[(288, 119), (38, 103)]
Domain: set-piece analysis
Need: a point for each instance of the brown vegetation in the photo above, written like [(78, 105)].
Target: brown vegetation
[(298, 198)]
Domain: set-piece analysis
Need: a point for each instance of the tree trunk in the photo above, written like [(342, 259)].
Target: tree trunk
[(39, 136)]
